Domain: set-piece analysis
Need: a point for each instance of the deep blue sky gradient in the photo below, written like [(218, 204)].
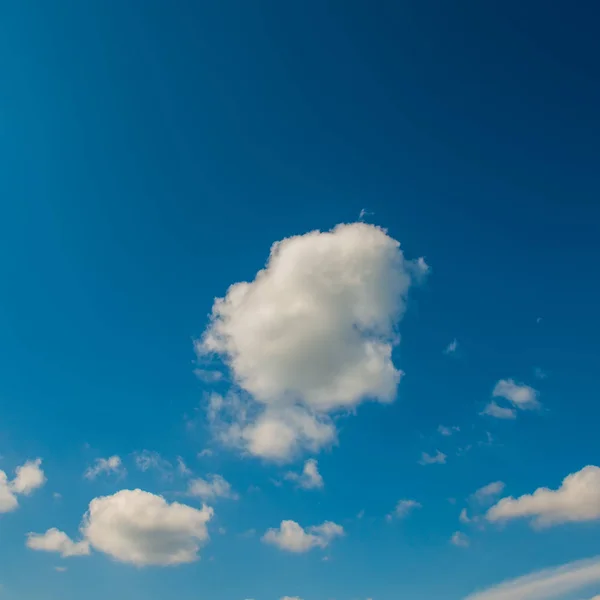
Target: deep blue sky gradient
[(153, 151)]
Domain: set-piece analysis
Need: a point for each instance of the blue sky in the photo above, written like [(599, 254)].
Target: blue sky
[(321, 434)]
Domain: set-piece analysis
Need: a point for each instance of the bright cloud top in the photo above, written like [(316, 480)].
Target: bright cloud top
[(312, 333), (546, 584), (141, 528), (577, 499), (57, 541), (310, 478), (28, 478), (292, 537)]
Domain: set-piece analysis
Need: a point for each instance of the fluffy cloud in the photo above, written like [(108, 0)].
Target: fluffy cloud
[(211, 488), (28, 477), (464, 516), (547, 584), (310, 478), (520, 395), (8, 500), (140, 528), (488, 491), (109, 465), (312, 334), (292, 537), (577, 499), (57, 541), (402, 509), (460, 539), (428, 459)]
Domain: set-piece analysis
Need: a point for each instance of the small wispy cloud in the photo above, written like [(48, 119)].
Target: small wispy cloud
[(310, 478), (428, 459), (447, 431), (112, 465), (452, 347), (460, 540), (402, 509)]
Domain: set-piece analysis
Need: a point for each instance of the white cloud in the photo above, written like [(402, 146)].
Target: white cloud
[(310, 478), (428, 459), (576, 500), (140, 528), (499, 412), (402, 509), (29, 477), (460, 539), (312, 334), (487, 492), (211, 488), (205, 453), (298, 597), (109, 465), (547, 584), (464, 516), (447, 431), (452, 347), (520, 395), (8, 500), (57, 541), (60, 569), (292, 537)]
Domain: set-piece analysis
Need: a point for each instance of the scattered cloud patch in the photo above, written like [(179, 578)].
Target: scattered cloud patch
[(57, 541), (548, 584), (310, 478), (437, 458), (109, 465), (402, 509), (488, 492), (311, 335), (576, 500), (208, 376), (211, 488), (464, 516), (451, 348), (182, 468), (147, 460), (140, 528), (447, 431), (290, 536), (499, 412), (520, 395), (539, 374), (460, 539), (28, 478)]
